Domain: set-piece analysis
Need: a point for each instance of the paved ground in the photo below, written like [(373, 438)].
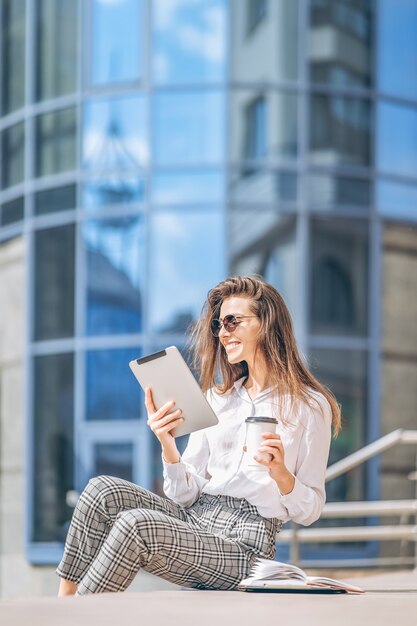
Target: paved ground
[(391, 600)]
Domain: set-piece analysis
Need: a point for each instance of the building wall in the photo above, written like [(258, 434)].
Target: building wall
[(399, 367), (399, 355)]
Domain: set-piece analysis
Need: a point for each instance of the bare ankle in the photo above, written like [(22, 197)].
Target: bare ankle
[(67, 588)]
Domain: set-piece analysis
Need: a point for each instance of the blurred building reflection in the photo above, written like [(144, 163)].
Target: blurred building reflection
[(149, 149)]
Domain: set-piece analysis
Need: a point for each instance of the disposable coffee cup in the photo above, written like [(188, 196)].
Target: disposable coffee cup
[(255, 426)]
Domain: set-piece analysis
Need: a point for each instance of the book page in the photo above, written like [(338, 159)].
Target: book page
[(274, 573), (333, 584), (265, 569)]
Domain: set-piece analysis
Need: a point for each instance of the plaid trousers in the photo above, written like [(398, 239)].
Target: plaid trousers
[(118, 527)]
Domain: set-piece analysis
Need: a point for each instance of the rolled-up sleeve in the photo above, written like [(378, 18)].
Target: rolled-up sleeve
[(184, 481), (306, 501)]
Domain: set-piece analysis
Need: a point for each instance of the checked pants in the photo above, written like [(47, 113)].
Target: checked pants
[(118, 527)]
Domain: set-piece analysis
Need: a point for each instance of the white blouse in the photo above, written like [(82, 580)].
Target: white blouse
[(214, 461)]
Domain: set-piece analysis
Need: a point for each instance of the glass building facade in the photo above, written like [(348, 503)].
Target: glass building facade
[(148, 149)]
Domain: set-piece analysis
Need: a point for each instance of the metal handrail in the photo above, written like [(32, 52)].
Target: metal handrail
[(367, 452), (399, 436)]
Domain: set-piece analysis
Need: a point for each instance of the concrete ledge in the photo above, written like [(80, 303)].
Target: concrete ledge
[(396, 602)]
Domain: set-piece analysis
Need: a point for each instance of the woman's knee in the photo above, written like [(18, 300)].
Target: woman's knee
[(97, 487), (144, 521)]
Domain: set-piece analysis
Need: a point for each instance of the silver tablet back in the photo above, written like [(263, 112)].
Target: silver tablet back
[(170, 378)]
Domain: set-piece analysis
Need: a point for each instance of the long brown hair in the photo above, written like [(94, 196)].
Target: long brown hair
[(287, 372)]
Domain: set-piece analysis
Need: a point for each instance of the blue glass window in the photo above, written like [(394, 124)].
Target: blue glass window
[(339, 269), (12, 53), (251, 185), (256, 12), (186, 187), (115, 256), (56, 199), (256, 130), (345, 373), (263, 40), (262, 241), (327, 192), (397, 139), (112, 392), (341, 42), (114, 189), (397, 54), (184, 265), (53, 458), (117, 41), (12, 211), (56, 47), (340, 130), (263, 126), (114, 135), (189, 41), (114, 459), (397, 199), (189, 128), (54, 282), (55, 142), (12, 151)]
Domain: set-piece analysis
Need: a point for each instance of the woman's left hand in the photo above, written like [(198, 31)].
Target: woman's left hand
[(276, 466)]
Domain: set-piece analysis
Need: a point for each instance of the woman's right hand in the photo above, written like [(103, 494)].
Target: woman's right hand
[(162, 421)]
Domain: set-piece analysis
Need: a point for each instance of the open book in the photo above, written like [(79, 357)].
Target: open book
[(269, 575)]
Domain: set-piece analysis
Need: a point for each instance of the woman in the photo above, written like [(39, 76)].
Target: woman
[(219, 513)]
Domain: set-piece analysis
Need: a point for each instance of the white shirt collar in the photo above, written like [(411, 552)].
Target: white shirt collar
[(238, 384)]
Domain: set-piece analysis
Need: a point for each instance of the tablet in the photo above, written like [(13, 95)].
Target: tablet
[(169, 377)]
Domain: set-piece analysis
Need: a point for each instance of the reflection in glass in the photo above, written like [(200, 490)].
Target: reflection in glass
[(397, 139), (114, 134), (263, 242), (250, 185), (116, 40), (114, 188), (56, 53), (12, 211), (189, 41), (189, 128), (255, 146), (339, 270), (12, 155), (186, 187), (53, 458), (112, 392), (397, 199), (55, 142), (256, 12), (345, 373), (184, 265), (340, 130), (56, 199), (326, 192), (54, 283), (341, 42), (263, 126), (115, 251), (12, 53), (397, 27), (267, 30), (113, 459)]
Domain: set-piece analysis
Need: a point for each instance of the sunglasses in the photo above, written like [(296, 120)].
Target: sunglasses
[(229, 322)]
